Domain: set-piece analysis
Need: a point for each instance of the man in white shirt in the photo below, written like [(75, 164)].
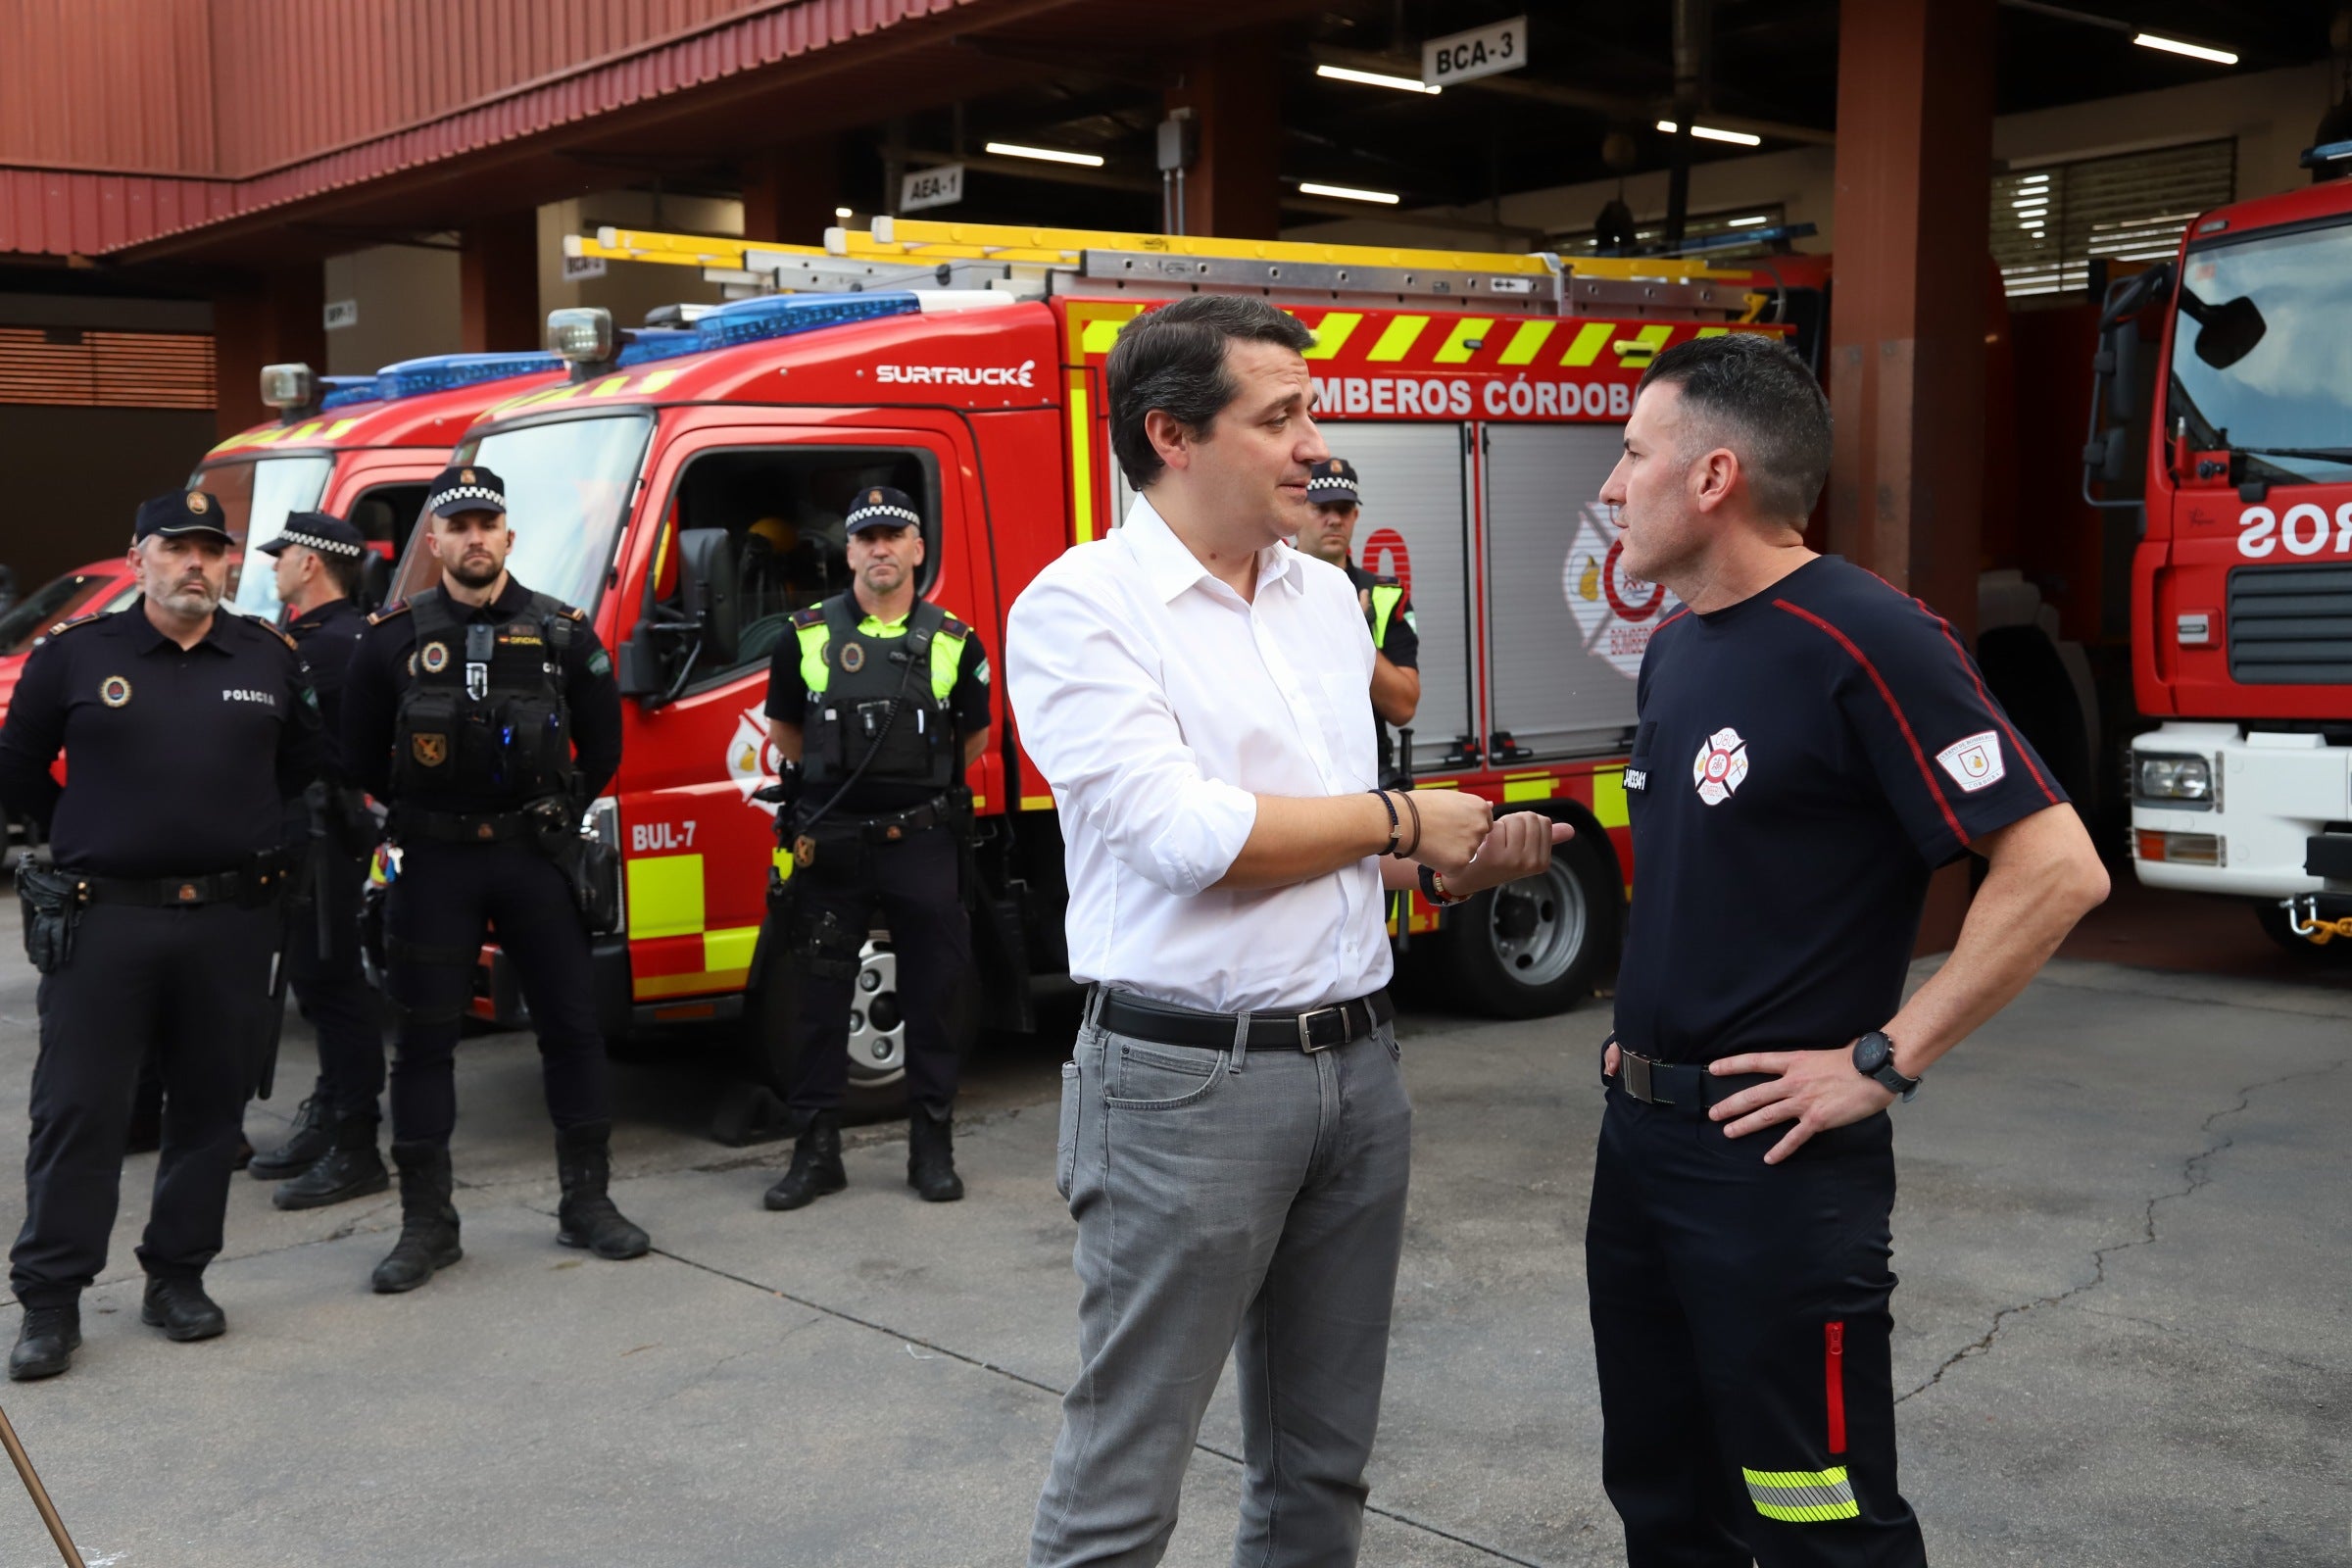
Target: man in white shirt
[(1235, 1133)]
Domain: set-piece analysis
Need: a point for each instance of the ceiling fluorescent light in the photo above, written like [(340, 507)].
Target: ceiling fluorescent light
[(1737, 138), (1045, 155), (1746, 223), (2194, 51), (1374, 79), (843, 212), (1347, 193)]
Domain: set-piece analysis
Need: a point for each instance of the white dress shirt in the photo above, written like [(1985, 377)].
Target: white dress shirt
[(1158, 701)]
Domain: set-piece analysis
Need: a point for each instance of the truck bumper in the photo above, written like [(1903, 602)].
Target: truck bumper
[(2274, 792)]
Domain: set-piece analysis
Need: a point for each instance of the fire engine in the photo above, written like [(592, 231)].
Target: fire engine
[(2241, 583), (685, 484)]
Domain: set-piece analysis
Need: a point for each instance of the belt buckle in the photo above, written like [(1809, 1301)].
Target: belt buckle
[(1637, 1076), (1306, 1038)]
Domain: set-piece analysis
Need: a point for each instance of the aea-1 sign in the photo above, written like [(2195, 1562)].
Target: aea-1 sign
[(931, 187), (1480, 52)]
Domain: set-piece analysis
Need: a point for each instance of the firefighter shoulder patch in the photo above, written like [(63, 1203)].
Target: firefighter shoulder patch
[(1973, 762)]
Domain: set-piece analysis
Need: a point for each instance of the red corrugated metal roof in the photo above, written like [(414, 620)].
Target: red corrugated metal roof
[(66, 213)]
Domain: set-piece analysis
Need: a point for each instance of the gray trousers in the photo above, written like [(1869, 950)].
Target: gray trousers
[(1227, 1202)]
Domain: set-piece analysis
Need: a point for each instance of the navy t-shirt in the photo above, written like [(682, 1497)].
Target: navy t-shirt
[(1803, 761)]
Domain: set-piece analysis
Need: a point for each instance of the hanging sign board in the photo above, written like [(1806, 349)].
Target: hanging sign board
[(1480, 52), (931, 187)]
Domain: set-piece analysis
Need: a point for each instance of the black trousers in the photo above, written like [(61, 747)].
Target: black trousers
[(332, 990), (192, 984), (915, 881), (447, 901), (1740, 1322)]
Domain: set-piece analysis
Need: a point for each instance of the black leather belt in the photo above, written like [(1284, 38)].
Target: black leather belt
[(462, 827), (1683, 1086), (888, 829), (180, 892), (1317, 1029)]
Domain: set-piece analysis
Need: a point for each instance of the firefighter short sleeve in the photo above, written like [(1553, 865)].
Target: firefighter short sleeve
[(1944, 755)]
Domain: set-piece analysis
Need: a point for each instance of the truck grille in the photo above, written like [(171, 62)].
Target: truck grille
[(2290, 625)]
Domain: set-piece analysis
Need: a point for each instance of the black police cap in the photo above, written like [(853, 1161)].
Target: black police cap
[(878, 506), (1332, 480), (466, 487), (179, 514), (322, 531)]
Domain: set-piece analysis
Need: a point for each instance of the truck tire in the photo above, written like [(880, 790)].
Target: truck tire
[(877, 1088), (1535, 946)]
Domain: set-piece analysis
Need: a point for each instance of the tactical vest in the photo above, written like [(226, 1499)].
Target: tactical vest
[(864, 697), (484, 713)]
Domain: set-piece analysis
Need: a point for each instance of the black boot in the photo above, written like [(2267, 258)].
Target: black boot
[(931, 1155), (815, 1165), (45, 1342), (586, 1217), (181, 1308), (352, 1168), (307, 1143), (428, 1220)]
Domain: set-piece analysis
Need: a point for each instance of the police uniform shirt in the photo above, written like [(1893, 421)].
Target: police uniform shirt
[(180, 762), (1402, 645), (380, 672), (1803, 761), (967, 704), (324, 639)]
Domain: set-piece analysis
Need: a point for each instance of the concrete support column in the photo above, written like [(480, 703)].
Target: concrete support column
[(498, 284), (1234, 89), (273, 318), (789, 191), (1907, 365)]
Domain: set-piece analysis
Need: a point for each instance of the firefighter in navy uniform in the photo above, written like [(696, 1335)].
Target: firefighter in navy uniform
[(191, 728), (1332, 486), (330, 1153), (1810, 744), (487, 716), (880, 699)]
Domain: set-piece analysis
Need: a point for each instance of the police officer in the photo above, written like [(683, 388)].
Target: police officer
[(331, 1154), (486, 715), (1331, 485), (881, 700), (189, 728), (1811, 745)]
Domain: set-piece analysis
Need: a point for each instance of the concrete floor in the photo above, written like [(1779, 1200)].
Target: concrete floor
[(2124, 1329)]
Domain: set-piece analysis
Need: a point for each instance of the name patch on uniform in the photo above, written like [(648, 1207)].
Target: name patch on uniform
[(1974, 761), (1720, 768), (246, 694), (1636, 780), (434, 657), (114, 691)]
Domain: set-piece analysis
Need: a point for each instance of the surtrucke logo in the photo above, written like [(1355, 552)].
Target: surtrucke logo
[(1974, 761), (1720, 766), (434, 657), (114, 691), (1021, 375)]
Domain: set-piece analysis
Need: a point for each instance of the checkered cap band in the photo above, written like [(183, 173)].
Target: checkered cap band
[(325, 546), (896, 513), (1330, 481), (466, 492)]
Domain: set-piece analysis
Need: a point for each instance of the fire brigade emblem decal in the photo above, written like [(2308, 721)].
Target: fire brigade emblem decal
[(751, 762), (1615, 611), (1973, 762), (1720, 766)]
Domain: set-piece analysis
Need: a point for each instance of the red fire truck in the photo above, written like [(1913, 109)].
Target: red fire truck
[(686, 484), (2241, 618)]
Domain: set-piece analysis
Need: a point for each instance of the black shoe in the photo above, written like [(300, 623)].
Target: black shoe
[(428, 1220), (307, 1143), (586, 1217), (45, 1342), (181, 1308), (351, 1169), (931, 1155), (815, 1165)]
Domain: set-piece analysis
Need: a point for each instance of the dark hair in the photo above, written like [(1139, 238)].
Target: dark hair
[(1173, 360), (344, 572), (1750, 393)]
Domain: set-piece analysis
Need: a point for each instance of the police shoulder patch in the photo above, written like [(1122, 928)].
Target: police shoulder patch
[(600, 663), (814, 616), (398, 606), (950, 626), (77, 621), (570, 613)]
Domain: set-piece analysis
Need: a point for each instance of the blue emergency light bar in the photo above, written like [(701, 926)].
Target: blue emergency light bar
[(755, 319), (1779, 233), (439, 372)]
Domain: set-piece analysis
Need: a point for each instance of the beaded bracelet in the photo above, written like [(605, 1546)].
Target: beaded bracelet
[(1432, 888)]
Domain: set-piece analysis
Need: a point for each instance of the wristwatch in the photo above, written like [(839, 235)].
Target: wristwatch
[(1874, 1057)]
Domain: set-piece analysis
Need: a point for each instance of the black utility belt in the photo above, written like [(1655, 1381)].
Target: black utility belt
[(1684, 1086), (890, 829), (463, 827), (1316, 1029), (251, 887)]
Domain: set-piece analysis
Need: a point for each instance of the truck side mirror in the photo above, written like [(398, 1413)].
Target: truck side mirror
[(709, 591), (2120, 364)]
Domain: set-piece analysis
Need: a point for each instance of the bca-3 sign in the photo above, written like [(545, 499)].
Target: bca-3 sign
[(1480, 52)]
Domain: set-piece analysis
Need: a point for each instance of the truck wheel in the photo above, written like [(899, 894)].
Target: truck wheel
[(2273, 919), (1535, 946), (877, 1033)]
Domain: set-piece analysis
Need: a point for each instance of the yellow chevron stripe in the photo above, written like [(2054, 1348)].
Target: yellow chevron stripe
[(1458, 344), (1527, 342), (1397, 337), (1331, 333), (1590, 339)]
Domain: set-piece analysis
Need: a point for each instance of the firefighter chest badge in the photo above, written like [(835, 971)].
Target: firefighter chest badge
[(429, 750), (853, 658), (803, 851), (1720, 768), (114, 691)]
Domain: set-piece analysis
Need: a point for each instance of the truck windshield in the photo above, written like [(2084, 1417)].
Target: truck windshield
[(45, 606), (256, 496), (2286, 377), (569, 486)]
